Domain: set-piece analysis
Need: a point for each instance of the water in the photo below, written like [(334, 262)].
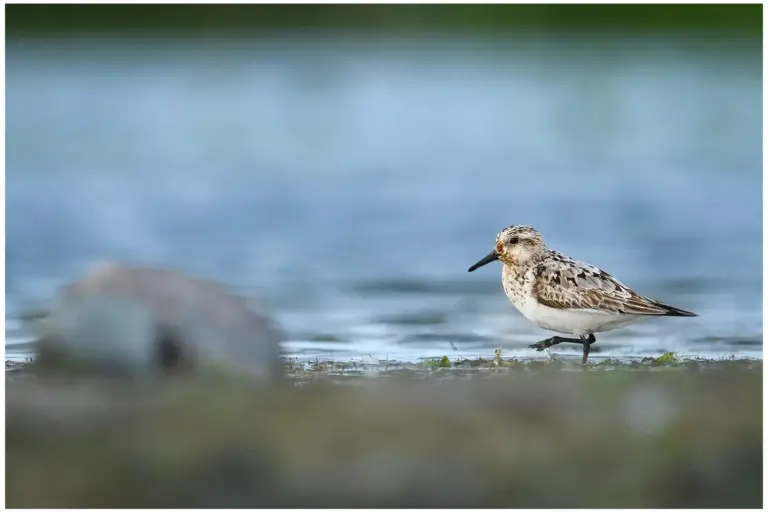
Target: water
[(349, 183)]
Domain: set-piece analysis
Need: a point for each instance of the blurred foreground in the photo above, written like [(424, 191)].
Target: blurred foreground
[(518, 436)]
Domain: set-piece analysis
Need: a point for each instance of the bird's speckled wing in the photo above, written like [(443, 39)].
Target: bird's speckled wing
[(562, 282)]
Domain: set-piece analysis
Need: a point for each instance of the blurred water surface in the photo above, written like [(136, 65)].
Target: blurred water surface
[(349, 182)]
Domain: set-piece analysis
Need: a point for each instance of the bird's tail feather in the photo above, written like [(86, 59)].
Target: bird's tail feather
[(675, 312)]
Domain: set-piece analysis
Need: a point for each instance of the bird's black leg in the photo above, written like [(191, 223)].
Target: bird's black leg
[(544, 344), (584, 341), (587, 341)]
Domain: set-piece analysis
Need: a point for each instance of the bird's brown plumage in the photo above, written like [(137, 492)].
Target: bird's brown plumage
[(564, 283)]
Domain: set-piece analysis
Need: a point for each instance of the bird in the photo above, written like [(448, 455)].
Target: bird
[(564, 295)]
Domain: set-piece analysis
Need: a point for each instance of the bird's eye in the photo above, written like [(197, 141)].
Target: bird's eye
[(513, 240)]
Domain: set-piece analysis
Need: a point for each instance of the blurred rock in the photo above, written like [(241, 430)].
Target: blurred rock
[(549, 439), (137, 321)]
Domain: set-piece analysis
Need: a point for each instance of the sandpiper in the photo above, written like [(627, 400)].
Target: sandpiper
[(564, 295)]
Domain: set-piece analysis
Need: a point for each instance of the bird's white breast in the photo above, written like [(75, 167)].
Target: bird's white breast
[(518, 286)]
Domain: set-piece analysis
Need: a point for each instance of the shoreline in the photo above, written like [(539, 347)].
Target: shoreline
[(298, 368)]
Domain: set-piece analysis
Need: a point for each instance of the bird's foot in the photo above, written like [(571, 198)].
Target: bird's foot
[(539, 346)]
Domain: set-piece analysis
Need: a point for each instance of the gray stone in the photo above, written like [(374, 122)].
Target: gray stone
[(139, 320)]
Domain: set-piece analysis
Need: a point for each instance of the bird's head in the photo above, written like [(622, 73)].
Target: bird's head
[(515, 245)]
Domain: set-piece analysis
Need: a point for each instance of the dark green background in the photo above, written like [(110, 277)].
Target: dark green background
[(30, 19)]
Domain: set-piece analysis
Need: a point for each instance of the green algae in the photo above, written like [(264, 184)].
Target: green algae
[(667, 358), (440, 363)]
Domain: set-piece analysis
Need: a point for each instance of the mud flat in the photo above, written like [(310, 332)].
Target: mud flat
[(481, 433)]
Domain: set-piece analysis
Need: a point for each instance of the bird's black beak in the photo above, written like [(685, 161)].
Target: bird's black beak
[(491, 257)]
